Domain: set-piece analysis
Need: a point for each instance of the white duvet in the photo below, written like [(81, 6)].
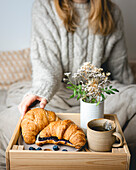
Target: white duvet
[(123, 104)]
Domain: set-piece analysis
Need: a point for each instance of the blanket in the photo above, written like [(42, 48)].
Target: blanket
[(122, 104)]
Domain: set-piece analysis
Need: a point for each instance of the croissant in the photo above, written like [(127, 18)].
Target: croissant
[(34, 121), (63, 132)]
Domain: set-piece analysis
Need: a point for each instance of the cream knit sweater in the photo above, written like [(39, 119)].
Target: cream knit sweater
[(54, 51)]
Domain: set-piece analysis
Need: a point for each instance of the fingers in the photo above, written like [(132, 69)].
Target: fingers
[(26, 102), (43, 103)]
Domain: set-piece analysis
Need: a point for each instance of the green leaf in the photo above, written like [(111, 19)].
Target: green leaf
[(93, 100), (72, 96), (70, 83), (73, 85), (115, 90), (102, 89), (103, 97), (106, 88), (110, 87), (107, 92), (71, 88), (84, 100), (78, 98), (111, 92), (80, 87), (79, 95), (98, 103), (75, 92), (84, 93)]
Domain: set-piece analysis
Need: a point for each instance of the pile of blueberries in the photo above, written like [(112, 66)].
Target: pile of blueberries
[(55, 148)]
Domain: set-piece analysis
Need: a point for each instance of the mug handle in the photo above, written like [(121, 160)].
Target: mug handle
[(118, 135)]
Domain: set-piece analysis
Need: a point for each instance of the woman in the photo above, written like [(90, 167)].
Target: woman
[(65, 34)]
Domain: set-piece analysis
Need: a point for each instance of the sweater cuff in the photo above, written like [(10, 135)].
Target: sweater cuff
[(41, 91)]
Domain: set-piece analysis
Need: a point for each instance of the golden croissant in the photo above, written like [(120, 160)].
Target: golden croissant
[(63, 132), (34, 121)]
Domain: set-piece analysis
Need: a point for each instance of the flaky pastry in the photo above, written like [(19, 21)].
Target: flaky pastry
[(63, 132), (34, 121)]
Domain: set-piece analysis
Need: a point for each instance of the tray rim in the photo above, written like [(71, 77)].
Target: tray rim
[(17, 132)]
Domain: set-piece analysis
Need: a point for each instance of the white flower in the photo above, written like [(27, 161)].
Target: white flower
[(100, 69), (92, 79), (81, 70), (89, 94), (76, 75), (103, 74), (108, 74), (82, 82), (86, 63), (64, 79), (67, 74)]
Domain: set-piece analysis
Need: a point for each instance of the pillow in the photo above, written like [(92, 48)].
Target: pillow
[(15, 66)]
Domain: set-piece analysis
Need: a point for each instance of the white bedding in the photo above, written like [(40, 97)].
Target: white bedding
[(122, 103), (3, 94)]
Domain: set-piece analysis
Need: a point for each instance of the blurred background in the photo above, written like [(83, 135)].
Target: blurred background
[(15, 27)]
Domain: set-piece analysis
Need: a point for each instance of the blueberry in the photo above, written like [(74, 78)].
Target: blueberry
[(31, 148), (64, 150), (55, 147), (39, 148)]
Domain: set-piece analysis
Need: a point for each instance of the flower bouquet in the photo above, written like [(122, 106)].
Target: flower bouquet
[(91, 85)]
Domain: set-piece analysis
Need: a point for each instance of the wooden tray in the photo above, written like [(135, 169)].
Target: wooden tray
[(19, 159)]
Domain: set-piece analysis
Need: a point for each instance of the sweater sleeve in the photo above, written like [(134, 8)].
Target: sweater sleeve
[(45, 53), (118, 58)]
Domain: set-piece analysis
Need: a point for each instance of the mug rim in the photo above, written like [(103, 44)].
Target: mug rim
[(88, 128)]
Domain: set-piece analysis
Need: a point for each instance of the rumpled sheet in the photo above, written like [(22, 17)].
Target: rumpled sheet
[(3, 95), (123, 104)]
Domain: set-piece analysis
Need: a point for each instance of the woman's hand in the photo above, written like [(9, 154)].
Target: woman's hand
[(28, 100)]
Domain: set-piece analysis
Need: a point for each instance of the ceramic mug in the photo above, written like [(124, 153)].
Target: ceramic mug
[(102, 141)]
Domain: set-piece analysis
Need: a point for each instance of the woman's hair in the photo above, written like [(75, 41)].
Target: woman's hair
[(100, 17)]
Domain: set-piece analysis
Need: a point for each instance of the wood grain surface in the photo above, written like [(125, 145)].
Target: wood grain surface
[(85, 160)]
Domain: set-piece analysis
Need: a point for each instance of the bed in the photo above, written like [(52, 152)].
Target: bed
[(15, 81)]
